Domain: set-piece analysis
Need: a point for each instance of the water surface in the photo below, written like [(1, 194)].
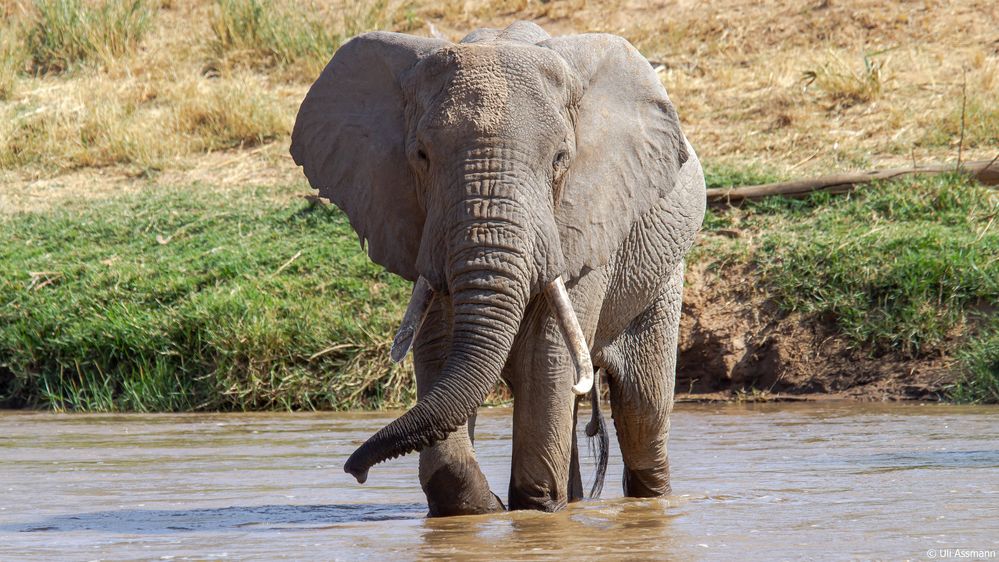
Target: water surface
[(763, 482)]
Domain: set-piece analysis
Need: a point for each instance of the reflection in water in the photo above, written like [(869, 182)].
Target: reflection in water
[(751, 482)]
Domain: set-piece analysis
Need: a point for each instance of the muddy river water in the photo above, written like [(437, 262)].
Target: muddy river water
[(751, 482)]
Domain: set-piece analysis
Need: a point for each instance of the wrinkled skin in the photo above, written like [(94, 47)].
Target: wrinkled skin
[(491, 167)]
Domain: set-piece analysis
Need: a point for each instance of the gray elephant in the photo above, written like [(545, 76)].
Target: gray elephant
[(541, 195)]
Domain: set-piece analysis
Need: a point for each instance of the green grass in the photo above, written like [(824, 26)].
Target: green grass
[(68, 32), (909, 267), (729, 175), (980, 358), (191, 299)]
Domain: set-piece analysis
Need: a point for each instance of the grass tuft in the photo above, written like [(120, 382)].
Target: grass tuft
[(844, 85), (981, 124), (12, 58), (229, 113), (980, 358), (68, 32), (264, 33)]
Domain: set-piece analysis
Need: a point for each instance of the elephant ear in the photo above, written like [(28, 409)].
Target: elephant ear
[(629, 147), (349, 137)]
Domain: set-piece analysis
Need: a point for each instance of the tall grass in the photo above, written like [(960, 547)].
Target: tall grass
[(979, 126), (12, 57), (191, 299), (980, 383), (265, 33), (220, 114), (67, 32), (140, 124)]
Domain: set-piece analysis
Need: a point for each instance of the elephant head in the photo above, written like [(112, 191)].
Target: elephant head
[(489, 170)]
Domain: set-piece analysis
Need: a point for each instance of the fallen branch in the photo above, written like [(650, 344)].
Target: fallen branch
[(985, 171)]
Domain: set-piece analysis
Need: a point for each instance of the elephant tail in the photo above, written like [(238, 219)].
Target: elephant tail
[(597, 429)]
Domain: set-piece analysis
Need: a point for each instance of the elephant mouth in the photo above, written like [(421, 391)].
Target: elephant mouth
[(558, 300)]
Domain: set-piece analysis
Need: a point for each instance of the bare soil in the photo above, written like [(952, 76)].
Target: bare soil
[(736, 344)]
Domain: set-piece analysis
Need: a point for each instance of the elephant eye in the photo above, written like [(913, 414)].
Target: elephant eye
[(560, 160), (422, 161)]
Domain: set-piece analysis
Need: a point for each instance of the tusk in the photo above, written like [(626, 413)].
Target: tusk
[(558, 299), (416, 313)]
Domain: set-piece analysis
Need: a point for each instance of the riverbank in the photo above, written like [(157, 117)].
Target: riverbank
[(890, 293), (173, 299), (158, 255)]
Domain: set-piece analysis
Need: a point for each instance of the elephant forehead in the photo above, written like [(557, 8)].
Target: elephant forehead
[(487, 86)]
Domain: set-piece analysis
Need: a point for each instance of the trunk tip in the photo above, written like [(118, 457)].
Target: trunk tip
[(360, 474)]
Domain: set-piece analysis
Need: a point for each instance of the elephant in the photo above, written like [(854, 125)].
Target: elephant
[(541, 196)]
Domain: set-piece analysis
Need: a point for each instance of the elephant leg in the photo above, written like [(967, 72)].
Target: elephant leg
[(452, 480), (449, 472), (641, 391), (541, 376)]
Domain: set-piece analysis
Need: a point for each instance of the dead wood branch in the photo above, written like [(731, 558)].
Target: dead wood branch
[(985, 171)]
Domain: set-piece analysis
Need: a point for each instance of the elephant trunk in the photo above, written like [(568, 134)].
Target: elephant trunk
[(489, 294)]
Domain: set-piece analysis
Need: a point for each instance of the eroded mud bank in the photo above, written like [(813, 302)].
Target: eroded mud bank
[(736, 343)]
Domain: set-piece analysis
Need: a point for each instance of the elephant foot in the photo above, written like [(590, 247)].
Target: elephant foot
[(536, 498), (450, 494), (646, 483)]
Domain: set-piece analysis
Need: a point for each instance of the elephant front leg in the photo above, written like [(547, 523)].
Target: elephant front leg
[(449, 472), (452, 480)]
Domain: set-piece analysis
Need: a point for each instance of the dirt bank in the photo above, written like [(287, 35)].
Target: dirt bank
[(736, 343)]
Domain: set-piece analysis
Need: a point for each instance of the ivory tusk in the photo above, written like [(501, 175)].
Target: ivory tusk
[(416, 313), (558, 298)]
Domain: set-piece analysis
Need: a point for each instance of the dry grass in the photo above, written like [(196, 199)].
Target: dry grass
[(285, 39), (95, 122), (789, 88), (844, 85), (63, 33)]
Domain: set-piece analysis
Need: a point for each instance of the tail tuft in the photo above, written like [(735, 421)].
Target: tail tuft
[(597, 428)]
